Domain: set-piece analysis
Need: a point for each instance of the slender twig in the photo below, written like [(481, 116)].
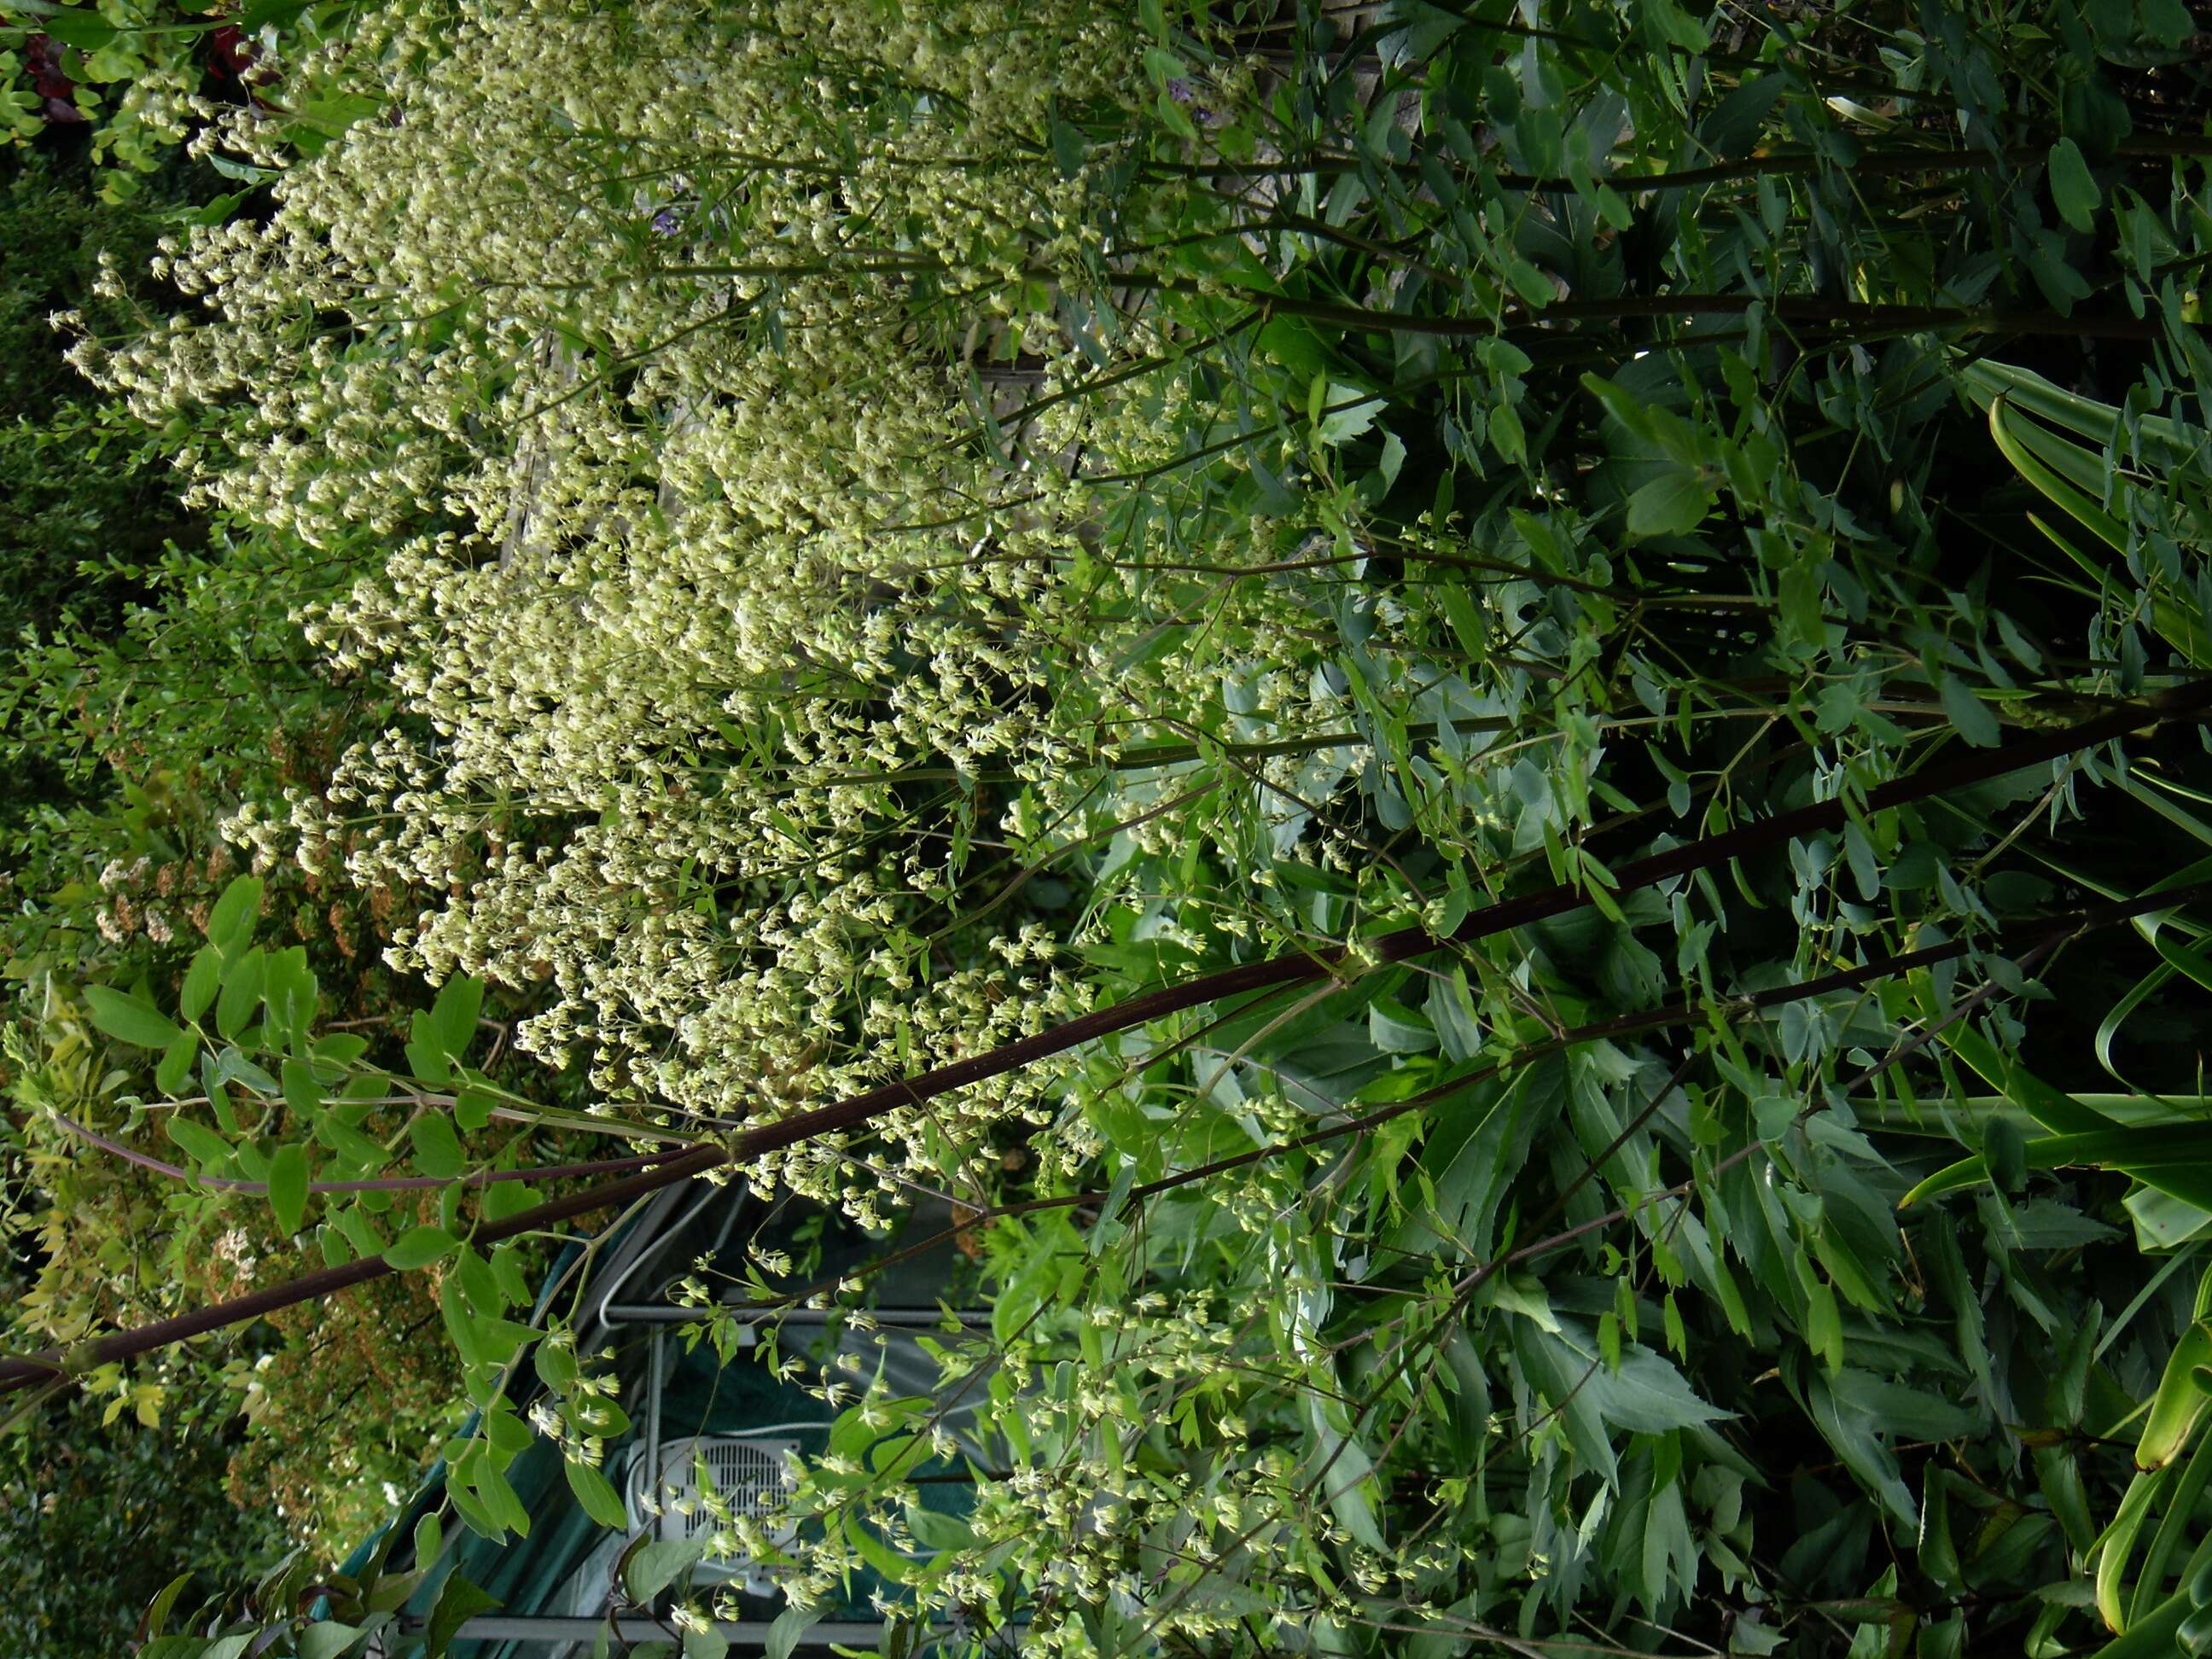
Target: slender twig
[(381, 1184)]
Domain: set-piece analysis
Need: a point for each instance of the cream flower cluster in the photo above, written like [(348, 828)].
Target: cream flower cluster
[(647, 376)]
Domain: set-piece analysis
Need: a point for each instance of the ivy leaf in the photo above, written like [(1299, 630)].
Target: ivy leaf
[(130, 1019)]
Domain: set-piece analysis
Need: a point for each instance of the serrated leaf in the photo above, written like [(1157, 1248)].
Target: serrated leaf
[(1397, 1030), (1346, 415), (1643, 1394), (1856, 1440)]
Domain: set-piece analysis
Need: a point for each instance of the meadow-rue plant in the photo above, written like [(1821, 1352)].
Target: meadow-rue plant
[(1324, 666)]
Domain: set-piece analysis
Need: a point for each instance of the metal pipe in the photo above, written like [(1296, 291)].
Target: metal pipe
[(654, 1236), (650, 1488)]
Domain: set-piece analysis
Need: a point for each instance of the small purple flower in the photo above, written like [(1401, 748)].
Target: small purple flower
[(1186, 94), (666, 222)]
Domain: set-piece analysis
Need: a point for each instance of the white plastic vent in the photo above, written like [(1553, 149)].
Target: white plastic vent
[(751, 1474)]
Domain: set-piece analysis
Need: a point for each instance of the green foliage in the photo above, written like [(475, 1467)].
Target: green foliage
[(134, 79), (123, 1507), (1058, 499), (81, 485)]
